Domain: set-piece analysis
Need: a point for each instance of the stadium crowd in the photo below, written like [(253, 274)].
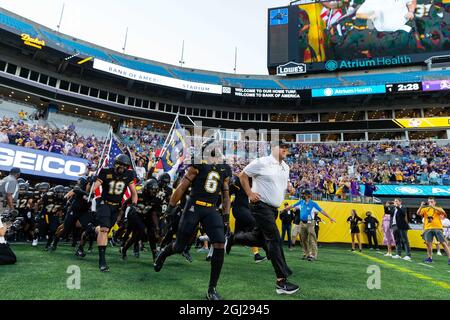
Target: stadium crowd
[(332, 171)]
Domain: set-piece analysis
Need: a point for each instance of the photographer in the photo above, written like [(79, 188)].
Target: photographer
[(6, 254), (433, 227)]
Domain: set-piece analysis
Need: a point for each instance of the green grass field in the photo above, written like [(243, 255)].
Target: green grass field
[(338, 274)]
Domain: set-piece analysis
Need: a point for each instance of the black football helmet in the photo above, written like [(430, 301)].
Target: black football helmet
[(82, 183), (43, 187), (150, 187), (23, 186), (164, 180), (121, 163), (60, 191)]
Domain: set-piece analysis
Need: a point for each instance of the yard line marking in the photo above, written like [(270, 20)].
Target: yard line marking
[(441, 284), (426, 265)]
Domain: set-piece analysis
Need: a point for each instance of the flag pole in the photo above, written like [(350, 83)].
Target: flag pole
[(164, 148), (100, 163)]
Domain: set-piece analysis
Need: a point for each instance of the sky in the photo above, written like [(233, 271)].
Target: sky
[(211, 29)]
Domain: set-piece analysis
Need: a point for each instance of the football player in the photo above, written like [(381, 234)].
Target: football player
[(53, 203), (114, 182), (208, 182)]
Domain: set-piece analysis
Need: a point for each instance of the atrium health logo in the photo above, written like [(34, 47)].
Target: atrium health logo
[(331, 65), (328, 92)]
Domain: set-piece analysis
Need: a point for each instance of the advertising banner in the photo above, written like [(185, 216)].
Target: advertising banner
[(348, 91), (156, 79), (41, 163)]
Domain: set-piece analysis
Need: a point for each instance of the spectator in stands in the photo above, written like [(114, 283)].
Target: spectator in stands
[(369, 189), (388, 239), (434, 176), (354, 190), (45, 146), (4, 135), (140, 169), (371, 224), (354, 220)]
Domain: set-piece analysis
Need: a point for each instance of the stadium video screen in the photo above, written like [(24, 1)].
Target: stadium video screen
[(358, 34)]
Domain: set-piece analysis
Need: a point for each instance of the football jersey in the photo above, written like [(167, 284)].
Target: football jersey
[(114, 185), (22, 202), (52, 204), (207, 185), (240, 197)]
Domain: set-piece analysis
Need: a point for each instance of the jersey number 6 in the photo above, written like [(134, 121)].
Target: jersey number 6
[(212, 181)]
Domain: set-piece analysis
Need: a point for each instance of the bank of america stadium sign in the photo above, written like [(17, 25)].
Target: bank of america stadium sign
[(156, 79)]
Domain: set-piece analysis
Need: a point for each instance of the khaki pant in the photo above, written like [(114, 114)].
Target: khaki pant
[(295, 233), (308, 239)]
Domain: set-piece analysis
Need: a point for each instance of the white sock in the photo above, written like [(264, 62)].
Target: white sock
[(2, 240)]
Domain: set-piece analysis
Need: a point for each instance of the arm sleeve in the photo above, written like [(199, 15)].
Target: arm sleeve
[(254, 168), (317, 207), (297, 204), (10, 187)]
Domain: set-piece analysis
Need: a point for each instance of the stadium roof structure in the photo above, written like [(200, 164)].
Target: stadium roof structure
[(72, 46)]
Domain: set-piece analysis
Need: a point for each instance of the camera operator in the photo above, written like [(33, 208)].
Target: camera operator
[(433, 227), (6, 254)]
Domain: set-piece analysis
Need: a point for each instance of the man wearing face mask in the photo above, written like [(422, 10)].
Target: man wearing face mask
[(114, 182)]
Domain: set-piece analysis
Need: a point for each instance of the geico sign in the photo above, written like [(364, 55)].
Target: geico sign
[(37, 162)]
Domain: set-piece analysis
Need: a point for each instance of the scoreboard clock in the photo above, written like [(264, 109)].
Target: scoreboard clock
[(404, 87)]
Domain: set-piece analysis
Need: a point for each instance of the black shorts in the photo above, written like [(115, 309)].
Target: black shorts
[(136, 223), (106, 215), (244, 220), (211, 220)]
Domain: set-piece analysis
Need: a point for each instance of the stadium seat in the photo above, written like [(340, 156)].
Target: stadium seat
[(196, 77), (73, 46), (17, 25)]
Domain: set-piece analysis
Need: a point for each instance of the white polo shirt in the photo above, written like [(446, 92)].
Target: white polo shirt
[(269, 179)]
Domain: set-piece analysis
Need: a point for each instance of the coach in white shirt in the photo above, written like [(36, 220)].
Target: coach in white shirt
[(270, 179)]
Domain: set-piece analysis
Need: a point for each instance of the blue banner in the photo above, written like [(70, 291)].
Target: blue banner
[(347, 91), (41, 163), (410, 190)]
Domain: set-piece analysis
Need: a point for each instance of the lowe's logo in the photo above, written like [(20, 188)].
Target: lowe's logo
[(40, 163), (333, 65), (291, 68)]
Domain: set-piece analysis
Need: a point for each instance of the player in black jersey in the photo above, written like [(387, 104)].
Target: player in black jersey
[(39, 190), (26, 209), (53, 203), (173, 220), (114, 182), (208, 182), (244, 220), (78, 210), (136, 219)]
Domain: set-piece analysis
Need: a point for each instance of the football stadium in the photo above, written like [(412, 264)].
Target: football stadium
[(325, 178)]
